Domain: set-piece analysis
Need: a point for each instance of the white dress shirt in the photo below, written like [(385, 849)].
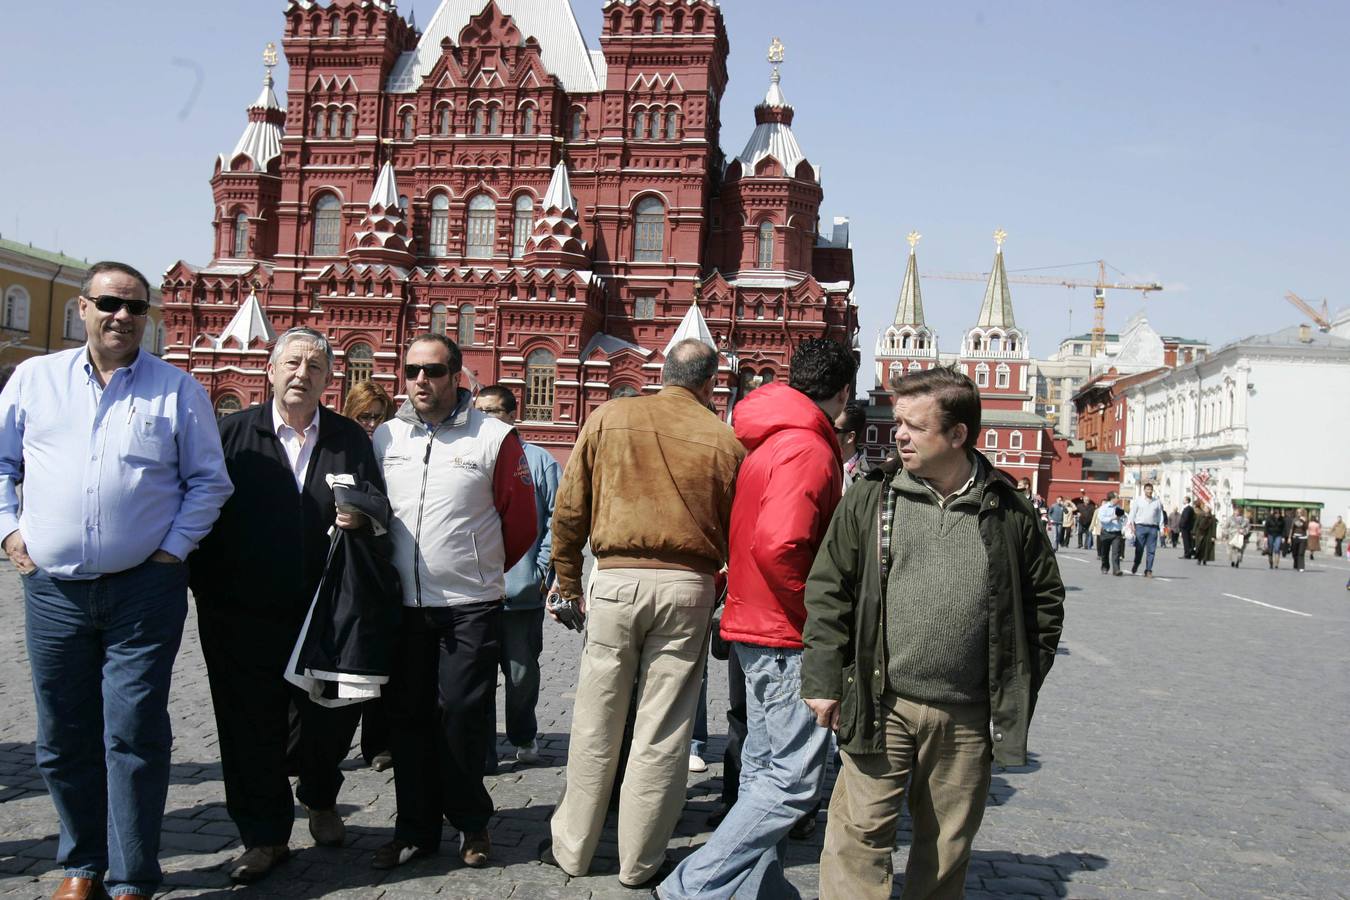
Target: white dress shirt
[(299, 446)]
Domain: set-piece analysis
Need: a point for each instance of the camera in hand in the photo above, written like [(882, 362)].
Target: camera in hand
[(567, 611)]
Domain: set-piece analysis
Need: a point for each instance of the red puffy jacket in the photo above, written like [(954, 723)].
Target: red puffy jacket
[(786, 492)]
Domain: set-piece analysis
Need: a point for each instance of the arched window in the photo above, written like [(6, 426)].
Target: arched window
[(482, 226), (466, 326), (995, 343), (438, 319), (360, 364), (623, 390), (495, 120), (241, 235), (749, 380), (349, 123), (699, 20), (991, 439), (1001, 375), (521, 224), (337, 27), (527, 120), (656, 125), (541, 371), (914, 366), (16, 308), (227, 404), (672, 125), (327, 226), (479, 119), (637, 22), (650, 232), (439, 236), (73, 327), (639, 124), (658, 23), (975, 343), (578, 124), (1015, 441), (982, 376), (409, 125), (317, 123), (765, 246), (443, 119)]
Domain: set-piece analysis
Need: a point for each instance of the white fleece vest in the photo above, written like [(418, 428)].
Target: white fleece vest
[(446, 531)]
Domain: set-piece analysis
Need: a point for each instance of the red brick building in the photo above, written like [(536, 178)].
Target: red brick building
[(562, 212), (1102, 411)]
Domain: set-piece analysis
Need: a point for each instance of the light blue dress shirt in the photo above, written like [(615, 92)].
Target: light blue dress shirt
[(110, 474)]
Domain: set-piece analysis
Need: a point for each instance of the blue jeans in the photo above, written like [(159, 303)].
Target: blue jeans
[(698, 746), (782, 767), (1145, 539), (102, 656)]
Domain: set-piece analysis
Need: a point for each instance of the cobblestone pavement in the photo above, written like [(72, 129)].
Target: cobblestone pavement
[(1191, 742)]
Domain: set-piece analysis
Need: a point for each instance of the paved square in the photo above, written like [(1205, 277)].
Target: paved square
[(1190, 742)]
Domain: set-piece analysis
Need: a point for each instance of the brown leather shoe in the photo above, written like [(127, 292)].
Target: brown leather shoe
[(475, 849), (326, 827), (255, 862), (396, 853), (80, 889)]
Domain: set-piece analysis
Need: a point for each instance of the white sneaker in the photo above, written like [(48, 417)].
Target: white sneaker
[(528, 754), (696, 763)]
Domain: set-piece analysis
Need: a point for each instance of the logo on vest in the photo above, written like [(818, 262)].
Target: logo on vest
[(459, 462)]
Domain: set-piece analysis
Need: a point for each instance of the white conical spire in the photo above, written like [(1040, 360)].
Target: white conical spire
[(559, 193), (261, 140), (249, 322), (693, 325), (385, 194)]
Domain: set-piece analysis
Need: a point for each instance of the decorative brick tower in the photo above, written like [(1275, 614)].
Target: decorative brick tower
[(908, 344), (558, 211)]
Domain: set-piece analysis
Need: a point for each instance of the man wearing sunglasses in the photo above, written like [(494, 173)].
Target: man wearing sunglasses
[(122, 475), (463, 513)]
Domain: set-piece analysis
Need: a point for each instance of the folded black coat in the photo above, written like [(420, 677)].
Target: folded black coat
[(350, 633)]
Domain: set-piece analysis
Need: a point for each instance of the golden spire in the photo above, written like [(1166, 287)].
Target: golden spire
[(999, 237), (269, 61), (776, 57), (913, 237)]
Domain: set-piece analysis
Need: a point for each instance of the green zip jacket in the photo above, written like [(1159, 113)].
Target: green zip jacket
[(845, 635)]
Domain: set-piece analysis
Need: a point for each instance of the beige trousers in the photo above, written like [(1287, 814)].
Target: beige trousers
[(947, 750), (646, 631)]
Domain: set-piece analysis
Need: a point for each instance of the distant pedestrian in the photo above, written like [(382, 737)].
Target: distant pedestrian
[(523, 607), (1234, 535), (1203, 532), (848, 428), (1314, 536), (1338, 535), (1086, 510), (122, 474), (1146, 514), (1174, 527), (649, 483), (1186, 525), (1298, 539), (934, 609), (1111, 534), (1056, 514), (1273, 526)]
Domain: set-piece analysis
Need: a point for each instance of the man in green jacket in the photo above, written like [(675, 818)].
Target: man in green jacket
[(934, 609)]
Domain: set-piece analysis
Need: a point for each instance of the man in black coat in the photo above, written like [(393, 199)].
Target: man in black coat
[(254, 578), (1186, 525)]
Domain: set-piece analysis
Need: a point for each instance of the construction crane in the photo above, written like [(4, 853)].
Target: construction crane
[(1099, 289), (1321, 319)]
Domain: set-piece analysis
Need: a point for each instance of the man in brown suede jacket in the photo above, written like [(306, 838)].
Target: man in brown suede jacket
[(650, 484)]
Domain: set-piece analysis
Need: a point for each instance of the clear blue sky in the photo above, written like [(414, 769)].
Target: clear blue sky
[(1202, 144)]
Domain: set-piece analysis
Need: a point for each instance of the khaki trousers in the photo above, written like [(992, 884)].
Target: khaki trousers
[(646, 630), (944, 751)]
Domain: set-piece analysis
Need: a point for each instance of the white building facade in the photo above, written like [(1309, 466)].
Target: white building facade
[(1255, 420)]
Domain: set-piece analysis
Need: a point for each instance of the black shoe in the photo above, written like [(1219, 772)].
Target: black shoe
[(396, 853)]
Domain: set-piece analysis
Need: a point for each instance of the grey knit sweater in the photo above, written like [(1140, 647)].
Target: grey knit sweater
[(937, 596)]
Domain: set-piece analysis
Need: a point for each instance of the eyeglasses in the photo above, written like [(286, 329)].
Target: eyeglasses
[(110, 304), (433, 370), (372, 417)]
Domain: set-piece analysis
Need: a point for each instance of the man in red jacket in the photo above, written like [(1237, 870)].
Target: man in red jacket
[(786, 492)]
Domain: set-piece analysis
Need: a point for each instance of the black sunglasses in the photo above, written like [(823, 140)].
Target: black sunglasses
[(433, 370), (110, 304)]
